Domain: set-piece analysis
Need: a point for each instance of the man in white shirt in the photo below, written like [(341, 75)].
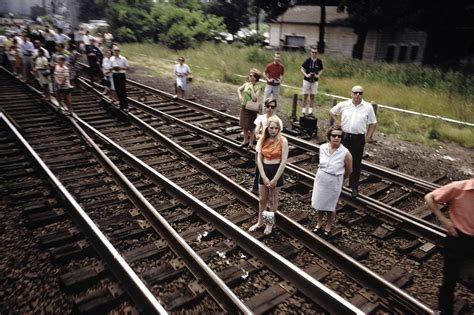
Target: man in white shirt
[(119, 68), (358, 122)]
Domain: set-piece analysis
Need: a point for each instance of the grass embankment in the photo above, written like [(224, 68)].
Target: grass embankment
[(411, 87)]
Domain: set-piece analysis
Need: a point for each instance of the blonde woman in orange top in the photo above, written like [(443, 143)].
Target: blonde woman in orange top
[(271, 161)]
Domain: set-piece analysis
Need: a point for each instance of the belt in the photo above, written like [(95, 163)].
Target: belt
[(354, 134)]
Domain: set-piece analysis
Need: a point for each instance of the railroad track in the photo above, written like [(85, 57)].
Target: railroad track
[(203, 148), (389, 220), (137, 243)]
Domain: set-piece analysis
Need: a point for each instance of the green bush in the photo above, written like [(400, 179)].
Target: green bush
[(257, 55), (126, 35), (254, 39)]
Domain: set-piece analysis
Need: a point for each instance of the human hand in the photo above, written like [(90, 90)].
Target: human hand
[(265, 181), (448, 224), (272, 183)]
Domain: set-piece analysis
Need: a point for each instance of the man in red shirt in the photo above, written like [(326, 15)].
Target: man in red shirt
[(274, 75), (459, 250)]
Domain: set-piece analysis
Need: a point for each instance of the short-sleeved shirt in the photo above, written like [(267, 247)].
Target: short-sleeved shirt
[(119, 61), (182, 69), (460, 197), (62, 74), (310, 65), (274, 70), (354, 119)]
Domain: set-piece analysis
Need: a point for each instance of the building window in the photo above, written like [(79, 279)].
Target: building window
[(414, 52), (294, 41), (402, 54), (390, 53)]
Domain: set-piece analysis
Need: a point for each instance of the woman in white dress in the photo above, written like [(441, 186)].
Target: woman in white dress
[(335, 164), (181, 70)]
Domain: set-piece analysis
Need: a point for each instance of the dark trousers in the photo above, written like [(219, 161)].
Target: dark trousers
[(355, 144), (120, 89), (94, 71), (459, 252)]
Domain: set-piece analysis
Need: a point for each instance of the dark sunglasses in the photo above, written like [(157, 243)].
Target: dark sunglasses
[(358, 93), (270, 106), (336, 136)]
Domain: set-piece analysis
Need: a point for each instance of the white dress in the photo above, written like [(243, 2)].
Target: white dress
[(181, 72), (329, 178)]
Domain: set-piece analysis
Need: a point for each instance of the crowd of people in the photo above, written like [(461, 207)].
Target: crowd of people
[(48, 57)]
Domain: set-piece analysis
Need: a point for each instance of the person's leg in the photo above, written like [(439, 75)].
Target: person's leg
[(251, 138), (273, 207), (355, 145), (262, 204), (450, 276), (120, 88), (256, 177), (319, 223), (68, 99), (305, 104), (275, 91), (46, 91), (311, 104), (330, 221)]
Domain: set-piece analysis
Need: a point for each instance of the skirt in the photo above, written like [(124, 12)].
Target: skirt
[(270, 171), (182, 83), (326, 191), (247, 117)]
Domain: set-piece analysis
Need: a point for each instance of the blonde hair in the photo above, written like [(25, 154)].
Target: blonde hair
[(279, 138)]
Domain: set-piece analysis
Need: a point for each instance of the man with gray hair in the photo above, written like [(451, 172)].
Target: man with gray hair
[(358, 122)]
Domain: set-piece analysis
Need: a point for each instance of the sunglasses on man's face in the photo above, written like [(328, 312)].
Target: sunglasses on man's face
[(270, 106), (357, 92), (336, 136)]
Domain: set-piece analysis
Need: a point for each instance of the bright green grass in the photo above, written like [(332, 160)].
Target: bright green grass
[(408, 87)]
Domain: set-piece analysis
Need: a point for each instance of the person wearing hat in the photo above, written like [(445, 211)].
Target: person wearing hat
[(94, 58), (119, 68)]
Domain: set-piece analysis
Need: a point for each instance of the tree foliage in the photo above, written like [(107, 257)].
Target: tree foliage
[(234, 12), (132, 15), (180, 28)]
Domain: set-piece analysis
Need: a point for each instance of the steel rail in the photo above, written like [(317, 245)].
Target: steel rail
[(287, 270), (344, 262), (214, 285), (221, 293), (411, 223), (134, 285), (395, 176)]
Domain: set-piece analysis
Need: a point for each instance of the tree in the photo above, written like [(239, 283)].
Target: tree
[(234, 12), (91, 9), (180, 28), (131, 15)]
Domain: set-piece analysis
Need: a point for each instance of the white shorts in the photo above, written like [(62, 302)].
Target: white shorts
[(310, 88)]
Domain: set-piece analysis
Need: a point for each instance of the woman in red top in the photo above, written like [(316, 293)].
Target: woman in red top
[(271, 161)]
